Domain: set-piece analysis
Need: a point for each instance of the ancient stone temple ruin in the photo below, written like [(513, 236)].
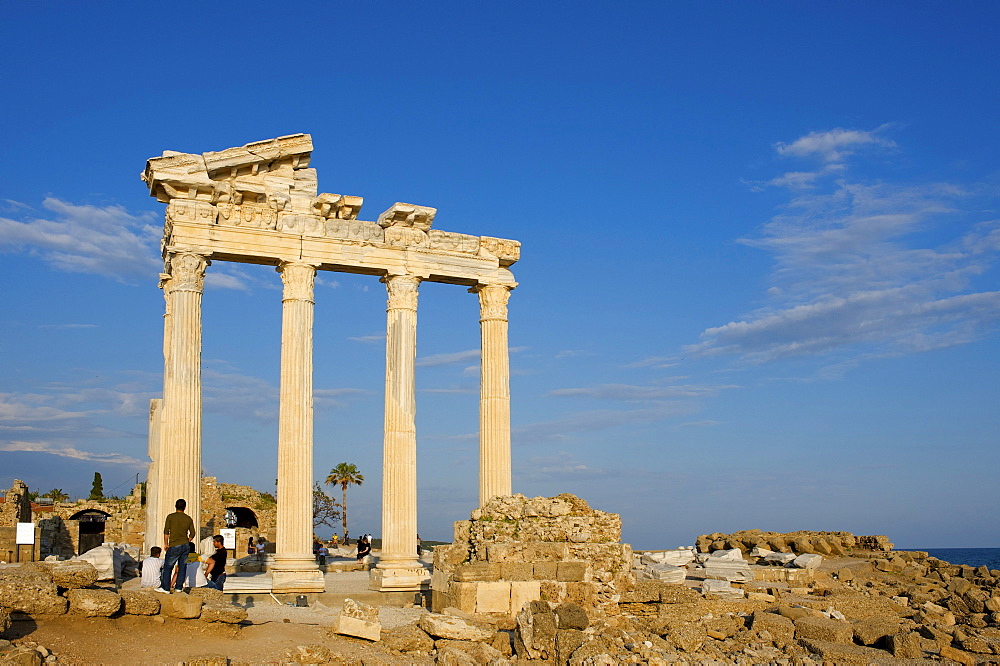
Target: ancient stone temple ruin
[(260, 204)]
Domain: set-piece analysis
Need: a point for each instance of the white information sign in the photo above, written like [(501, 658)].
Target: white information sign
[(25, 534), (228, 538)]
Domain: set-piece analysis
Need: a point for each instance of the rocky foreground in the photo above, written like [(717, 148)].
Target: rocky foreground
[(546, 580)]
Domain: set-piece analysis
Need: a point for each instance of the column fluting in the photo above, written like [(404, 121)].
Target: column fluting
[(494, 393)]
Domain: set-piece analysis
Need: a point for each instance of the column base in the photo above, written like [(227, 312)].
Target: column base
[(296, 574), (402, 577)]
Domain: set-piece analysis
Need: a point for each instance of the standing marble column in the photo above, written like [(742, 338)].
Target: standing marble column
[(295, 568), (399, 567), (179, 461), (494, 393)]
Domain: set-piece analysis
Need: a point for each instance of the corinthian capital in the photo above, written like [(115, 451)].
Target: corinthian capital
[(402, 291), (492, 301), (187, 272), (298, 278)]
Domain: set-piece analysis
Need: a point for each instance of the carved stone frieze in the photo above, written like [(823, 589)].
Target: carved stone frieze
[(492, 301), (254, 216), (186, 210), (300, 223), (402, 291), (299, 279), (405, 237), (356, 230), (452, 242), (507, 251), (187, 272), (408, 215), (337, 206)]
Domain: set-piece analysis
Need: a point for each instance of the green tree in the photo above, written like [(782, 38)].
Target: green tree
[(57, 495), (97, 490), (344, 475), (325, 511)]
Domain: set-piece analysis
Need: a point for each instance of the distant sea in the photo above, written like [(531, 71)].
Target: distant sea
[(972, 556)]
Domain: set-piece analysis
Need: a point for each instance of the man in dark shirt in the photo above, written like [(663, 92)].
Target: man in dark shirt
[(178, 530), (217, 564)]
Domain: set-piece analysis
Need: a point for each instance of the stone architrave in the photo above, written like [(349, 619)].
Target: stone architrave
[(399, 566), (179, 463), (295, 568), (494, 393)]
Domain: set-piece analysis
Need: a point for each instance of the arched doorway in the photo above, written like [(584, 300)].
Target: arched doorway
[(91, 523), (244, 517)]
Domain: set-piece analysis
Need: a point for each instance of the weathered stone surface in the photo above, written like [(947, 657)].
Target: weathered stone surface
[(957, 655), (222, 611), (94, 603), (824, 629), (905, 645), (30, 592), (445, 626), (408, 638), (844, 653), (359, 620), (72, 574), (869, 632), (182, 606), (677, 594), (479, 653), (22, 655), (140, 602), (534, 637), (312, 654), (807, 561), (571, 616), (207, 593), (781, 628), (687, 637), (4, 620)]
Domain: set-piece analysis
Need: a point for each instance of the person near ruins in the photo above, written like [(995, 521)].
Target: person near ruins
[(420, 546), (217, 564), (195, 570), (261, 549), (251, 549), (316, 545), (364, 548), (336, 541), (321, 554), (178, 530), (151, 568)]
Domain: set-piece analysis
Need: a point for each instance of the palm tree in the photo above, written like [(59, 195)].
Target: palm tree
[(345, 474), (57, 495)]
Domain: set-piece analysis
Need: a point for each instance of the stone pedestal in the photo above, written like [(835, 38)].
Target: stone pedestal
[(295, 568), (398, 565), (179, 463), (494, 393)]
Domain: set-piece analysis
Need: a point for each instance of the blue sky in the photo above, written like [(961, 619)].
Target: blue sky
[(758, 285)]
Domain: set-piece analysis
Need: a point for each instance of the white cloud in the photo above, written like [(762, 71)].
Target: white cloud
[(104, 240), (832, 145), (370, 339), (868, 270), (72, 452), (448, 359), (632, 393)]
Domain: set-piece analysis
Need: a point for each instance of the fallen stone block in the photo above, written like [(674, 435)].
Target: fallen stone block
[(311, 654), (535, 634), (207, 593), (779, 559), (687, 637), (958, 655), (721, 589), (869, 632), (181, 606), (905, 645), (781, 628), (824, 629), (94, 603), (140, 602), (445, 626), (223, 612), (807, 561), (408, 638), (845, 653), (72, 574), (358, 620), (22, 655), (480, 653), (32, 593), (667, 573), (678, 594)]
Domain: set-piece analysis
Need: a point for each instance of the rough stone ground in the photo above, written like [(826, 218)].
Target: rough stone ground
[(274, 633)]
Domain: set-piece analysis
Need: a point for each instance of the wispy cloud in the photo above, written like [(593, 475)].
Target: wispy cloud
[(833, 145), (448, 359), (655, 362), (370, 339), (869, 269), (71, 452), (633, 393)]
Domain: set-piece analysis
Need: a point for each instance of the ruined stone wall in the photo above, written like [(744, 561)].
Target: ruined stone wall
[(837, 544), (515, 549), (217, 497)]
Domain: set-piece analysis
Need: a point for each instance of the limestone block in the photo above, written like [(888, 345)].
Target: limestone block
[(477, 571), (644, 591), (444, 626), (534, 637), (571, 572), (678, 594), (464, 596), (734, 554), (221, 611), (824, 629), (780, 559), (4, 620), (104, 560), (871, 631), (207, 594), (571, 616), (522, 592), (478, 653), (516, 571), (94, 603), (956, 655), (578, 593), (493, 597), (30, 592), (408, 638), (72, 574), (440, 580), (22, 655), (182, 606), (781, 628), (687, 637), (667, 573), (721, 589), (844, 653), (140, 602), (545, 570), (567, 642), (358, 619), (808, 561)]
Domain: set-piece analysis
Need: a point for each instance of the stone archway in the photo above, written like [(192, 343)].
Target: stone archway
[(91, 524), (244, 517)]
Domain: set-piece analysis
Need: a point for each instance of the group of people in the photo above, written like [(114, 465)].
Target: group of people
[(321, 551), (179, 551)]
